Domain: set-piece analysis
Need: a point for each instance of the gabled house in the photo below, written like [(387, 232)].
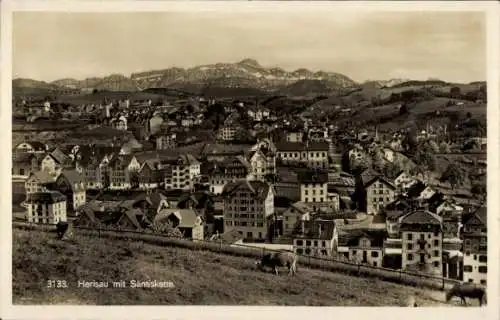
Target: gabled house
[(422, 241), (23, 164), (182, 173), (374, 192), (447, 206), (317, 238), (72, 185), (293, 217), (186, 220), (151, 203), (150, 175), (123, 172), (37, 182), (475, 237), (314, 189), (365, 246), (403, 181), (259, 166)]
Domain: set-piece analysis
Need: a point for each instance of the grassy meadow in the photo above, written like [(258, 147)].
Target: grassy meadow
[(200, 277)]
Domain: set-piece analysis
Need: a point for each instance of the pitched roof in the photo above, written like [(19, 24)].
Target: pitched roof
[(480, 214), (301, 207), (43, 177), (72, 176), (188, 159), (187, 217), (381, 179), (59, 156), (422, 217), (377, 237), (123, 159), (258, 188)]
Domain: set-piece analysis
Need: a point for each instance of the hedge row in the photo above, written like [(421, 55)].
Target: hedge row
[(385, 274)]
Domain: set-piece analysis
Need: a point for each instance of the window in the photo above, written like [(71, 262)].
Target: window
[(324, 243), (300, 243), (374, 254), (483, 282), (436, 253), (436, 242), (475, 257), (354, 252), (410, 236), (300, 251), (315, 243), (410, 246), (435, 264), (308, 251), (249, 234), (467, 268), (482, 269), (409, 257), (483, 258)]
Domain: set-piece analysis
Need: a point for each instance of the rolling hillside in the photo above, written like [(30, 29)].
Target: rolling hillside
[(200, 277)]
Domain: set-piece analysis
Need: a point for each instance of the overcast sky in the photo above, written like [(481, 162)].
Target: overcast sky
[(378, 45)]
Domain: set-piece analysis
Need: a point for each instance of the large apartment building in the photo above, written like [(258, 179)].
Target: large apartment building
[(422, 242), (248, 208), (182, 173)]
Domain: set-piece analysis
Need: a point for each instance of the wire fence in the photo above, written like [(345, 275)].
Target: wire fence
[(327, 264)]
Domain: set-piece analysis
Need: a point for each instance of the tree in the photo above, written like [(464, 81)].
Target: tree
[(444, 148), (403, 109), (409, 142), (455, 93), (454, 175), (479, 189)]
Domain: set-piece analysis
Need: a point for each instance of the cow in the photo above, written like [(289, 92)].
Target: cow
[(467, 290), (279, 259), (61, 228)]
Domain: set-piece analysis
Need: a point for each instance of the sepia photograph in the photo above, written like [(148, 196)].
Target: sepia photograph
[(249, 158)]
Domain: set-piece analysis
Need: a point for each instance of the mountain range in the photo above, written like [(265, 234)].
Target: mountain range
[(247, 74)]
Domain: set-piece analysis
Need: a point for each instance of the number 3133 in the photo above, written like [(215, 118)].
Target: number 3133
[(57, 284)]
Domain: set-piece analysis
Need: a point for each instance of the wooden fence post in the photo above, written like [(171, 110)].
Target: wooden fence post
[(443, 283), (400, 274)]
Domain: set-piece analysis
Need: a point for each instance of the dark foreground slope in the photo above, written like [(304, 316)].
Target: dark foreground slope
[(200, 277)]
